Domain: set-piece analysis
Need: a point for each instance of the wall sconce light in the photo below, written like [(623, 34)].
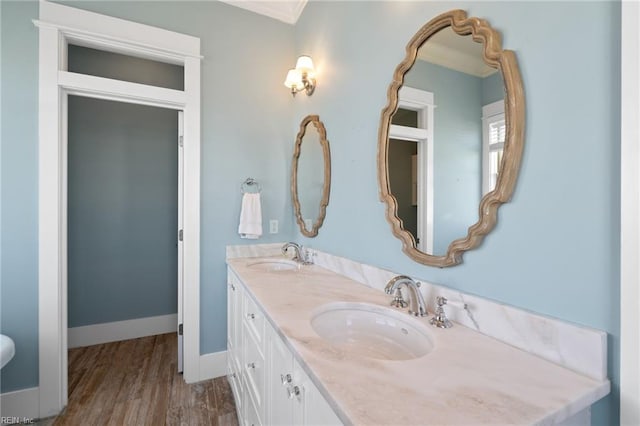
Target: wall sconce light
[(302, 77)]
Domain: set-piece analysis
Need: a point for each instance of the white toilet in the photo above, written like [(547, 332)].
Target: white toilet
[(7, 349)]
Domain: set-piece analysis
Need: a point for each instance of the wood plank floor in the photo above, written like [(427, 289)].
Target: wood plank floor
[(135, 382)]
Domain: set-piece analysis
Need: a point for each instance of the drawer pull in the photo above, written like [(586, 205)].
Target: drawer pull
[(285, 379), (293, 391), (251, 365), (251, 316)]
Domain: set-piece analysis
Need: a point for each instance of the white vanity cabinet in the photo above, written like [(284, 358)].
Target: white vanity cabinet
[(245, 353), (294, 399), (268, 384)]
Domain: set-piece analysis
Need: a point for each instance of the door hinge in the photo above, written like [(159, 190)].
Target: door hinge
[(180, 235), (181, 140), (180, 330)]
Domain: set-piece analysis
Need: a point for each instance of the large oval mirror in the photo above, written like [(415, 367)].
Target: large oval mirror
[(311, 175), (451, 138)]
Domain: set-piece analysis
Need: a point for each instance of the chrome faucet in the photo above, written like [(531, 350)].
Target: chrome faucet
[(417, 305), (298, 254)]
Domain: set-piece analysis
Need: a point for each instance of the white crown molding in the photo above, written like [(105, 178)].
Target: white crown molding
[(286, 11)]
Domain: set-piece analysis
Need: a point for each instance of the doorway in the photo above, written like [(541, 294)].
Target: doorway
[(123, 216), (403, 182), (411, 136), (59, 26)]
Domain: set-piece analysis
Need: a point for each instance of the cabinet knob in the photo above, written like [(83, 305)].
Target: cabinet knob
[(293, 391), (233, 287), (251, 316), (285, 379), (251, 365)]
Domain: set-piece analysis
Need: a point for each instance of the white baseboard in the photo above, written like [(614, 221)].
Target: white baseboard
[(20, 406), (121, 330), (213, 365)]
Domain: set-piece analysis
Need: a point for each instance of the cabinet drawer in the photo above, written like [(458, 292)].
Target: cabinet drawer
[(254, 321), (252, 418), (235, 382), (254, 371)]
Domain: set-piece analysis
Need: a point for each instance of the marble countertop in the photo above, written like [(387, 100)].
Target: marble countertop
[(468, 378)]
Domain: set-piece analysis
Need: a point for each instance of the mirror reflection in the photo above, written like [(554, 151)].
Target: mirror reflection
[(458, 126), (311, 175), (445, 140)]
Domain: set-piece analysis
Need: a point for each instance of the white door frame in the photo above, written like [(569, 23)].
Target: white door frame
[(58, 26), (180, 276), (630, 217), (422, 102)]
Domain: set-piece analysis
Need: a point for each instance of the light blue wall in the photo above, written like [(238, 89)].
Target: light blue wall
[(123, 211), (492, 88), (555, 248), (246, 131), (19, 286), (100, 63)]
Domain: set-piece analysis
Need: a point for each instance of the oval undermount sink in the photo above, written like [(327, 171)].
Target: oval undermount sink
[(274, 265), (7, 350), (372, 331)]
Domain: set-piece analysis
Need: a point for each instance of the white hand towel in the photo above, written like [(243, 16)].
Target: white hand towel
[(250, 216)]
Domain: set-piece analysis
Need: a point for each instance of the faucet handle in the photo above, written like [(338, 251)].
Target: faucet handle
[(308, 256), (440, 319)]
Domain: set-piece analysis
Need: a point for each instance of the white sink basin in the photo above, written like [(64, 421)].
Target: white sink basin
[(7, 350), (274, 265), (372, 331)]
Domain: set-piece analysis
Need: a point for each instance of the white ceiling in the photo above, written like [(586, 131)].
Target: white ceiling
[(284, 10), (461, 53)]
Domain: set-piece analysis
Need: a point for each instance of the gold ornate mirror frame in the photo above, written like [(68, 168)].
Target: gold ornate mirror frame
[(324, 201), (503, 60)]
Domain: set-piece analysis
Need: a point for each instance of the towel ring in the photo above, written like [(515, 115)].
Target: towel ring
[(244, 187)]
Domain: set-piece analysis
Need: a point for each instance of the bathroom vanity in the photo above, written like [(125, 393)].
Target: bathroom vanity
[(284, 369), (268, 383)]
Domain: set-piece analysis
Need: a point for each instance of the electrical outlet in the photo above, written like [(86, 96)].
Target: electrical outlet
[(273, 226)]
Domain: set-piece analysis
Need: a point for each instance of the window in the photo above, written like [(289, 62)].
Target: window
[(494, 134)]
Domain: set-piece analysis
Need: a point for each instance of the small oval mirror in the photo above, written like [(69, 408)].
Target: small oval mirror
[(311, 175), (454, 93)]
